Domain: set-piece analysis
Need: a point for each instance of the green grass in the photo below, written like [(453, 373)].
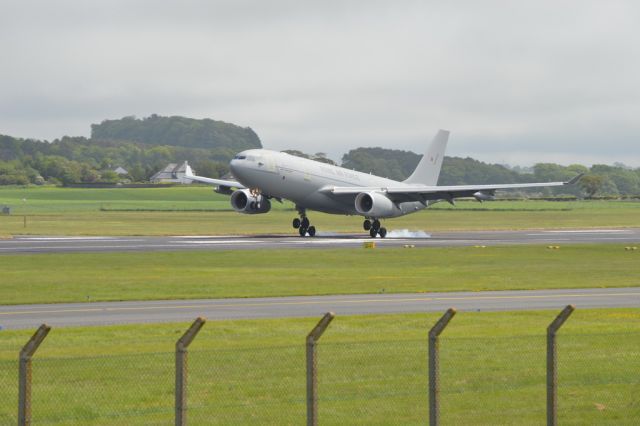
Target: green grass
[(78, 277), (372, 370), (198, 210)]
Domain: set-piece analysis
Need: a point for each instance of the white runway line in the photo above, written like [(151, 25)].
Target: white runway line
[(72, 239), (79, 248), (186, 237), (220, 242), (588, 231), (326, 241)]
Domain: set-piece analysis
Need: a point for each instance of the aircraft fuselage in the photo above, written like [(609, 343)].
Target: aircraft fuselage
[(301, 180)]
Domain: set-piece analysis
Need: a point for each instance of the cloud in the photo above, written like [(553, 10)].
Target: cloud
[(515, 81)]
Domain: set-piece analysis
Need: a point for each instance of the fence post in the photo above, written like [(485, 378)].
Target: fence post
[(24, 386), (181, 369), (434, 367), (552, 365), (312, 376)]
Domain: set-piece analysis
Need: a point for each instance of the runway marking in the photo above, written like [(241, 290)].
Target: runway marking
[(206, 236), (332, 241), (221, 242), (587, 231), (72, 239), (80, 248), (217, 304)]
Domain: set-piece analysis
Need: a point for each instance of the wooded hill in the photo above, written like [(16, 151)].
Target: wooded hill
[(177, 131)]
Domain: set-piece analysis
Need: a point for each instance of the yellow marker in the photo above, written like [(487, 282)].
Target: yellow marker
[(370, 244)]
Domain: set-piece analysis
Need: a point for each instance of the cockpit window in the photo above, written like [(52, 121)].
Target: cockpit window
[(240, 157)]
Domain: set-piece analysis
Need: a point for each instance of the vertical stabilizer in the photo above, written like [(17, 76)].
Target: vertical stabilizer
[(428, 169)]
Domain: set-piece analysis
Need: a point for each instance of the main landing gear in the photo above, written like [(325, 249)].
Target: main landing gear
[(303, 226), (374, 228)]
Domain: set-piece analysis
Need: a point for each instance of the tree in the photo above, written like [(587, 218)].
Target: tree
[(322, 157), (109, 176), (591, 184), (296, 153), (12, 175)]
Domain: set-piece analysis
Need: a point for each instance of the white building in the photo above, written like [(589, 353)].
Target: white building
[(121, 171)]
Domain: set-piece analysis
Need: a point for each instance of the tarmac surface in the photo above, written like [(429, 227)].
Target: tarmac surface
[(395, 238), (102, 313)]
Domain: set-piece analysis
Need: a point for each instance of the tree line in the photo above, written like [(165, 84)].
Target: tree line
[(599, 179), (141, 146), (145, 146)]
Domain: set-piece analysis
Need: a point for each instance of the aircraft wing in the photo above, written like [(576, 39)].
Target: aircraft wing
[(188, 174), (424, 192)]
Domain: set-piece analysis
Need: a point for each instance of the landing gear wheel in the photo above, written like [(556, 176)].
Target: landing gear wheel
[(305, 222), (296, 223), (382, 232), (375, 225), (366, 224), (373, 233), (311, 231), (302, 231)]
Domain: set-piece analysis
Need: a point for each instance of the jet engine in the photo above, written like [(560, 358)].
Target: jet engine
[(375, 204), (483, 196), (243, 201)]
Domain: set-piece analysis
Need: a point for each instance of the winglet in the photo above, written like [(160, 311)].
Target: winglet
[(575, 179)]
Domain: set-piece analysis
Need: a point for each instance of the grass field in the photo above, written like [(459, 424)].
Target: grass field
[(372, 370), (199, 211), (79, 277)]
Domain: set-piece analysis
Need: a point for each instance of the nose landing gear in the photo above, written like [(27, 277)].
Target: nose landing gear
[(374, 228)]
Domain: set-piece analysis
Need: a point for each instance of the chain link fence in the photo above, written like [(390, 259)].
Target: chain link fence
[(261, 385), (373, 382), (376, 380), (599, 386), (8, 392), (132, 389), (493, 380)]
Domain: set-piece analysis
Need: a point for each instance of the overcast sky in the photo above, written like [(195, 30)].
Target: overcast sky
[(516, 82)]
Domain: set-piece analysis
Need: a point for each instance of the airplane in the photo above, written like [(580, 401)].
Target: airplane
[(262, 175)]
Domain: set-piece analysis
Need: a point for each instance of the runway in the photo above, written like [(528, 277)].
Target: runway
[(92, 314), (396, 238)]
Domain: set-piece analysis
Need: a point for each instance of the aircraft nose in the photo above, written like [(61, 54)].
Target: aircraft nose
[(233, 166)]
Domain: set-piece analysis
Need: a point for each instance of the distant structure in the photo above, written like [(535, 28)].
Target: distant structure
[(120, 171), (172, 173)]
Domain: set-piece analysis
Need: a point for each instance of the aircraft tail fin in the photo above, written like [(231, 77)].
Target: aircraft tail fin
[(428, 169)]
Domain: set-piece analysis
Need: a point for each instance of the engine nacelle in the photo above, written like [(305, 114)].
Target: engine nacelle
[(243, 201), (483, 196), (375, 204)]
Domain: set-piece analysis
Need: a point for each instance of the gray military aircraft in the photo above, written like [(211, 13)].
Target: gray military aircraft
[(263, 175)]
